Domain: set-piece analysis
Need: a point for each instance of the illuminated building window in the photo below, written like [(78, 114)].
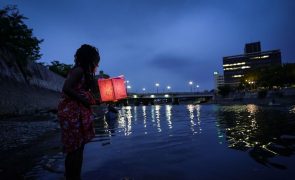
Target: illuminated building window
[(234, 64), (235, 68), (245, 67), (260, 57), (238, 76)]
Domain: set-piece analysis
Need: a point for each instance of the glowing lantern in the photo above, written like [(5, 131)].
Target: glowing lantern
[(112, 89)]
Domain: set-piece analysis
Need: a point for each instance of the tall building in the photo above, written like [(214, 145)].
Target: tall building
[(235, 67), (218, 80)]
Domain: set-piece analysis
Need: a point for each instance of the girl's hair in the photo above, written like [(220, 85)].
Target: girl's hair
[(87, 57)]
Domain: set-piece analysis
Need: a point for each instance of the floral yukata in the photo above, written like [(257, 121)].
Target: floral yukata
[(76, 120)]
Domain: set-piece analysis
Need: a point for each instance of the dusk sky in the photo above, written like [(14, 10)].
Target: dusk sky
[(169, 42)]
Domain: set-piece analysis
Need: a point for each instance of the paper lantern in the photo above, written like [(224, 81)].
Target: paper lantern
[(112, 89)]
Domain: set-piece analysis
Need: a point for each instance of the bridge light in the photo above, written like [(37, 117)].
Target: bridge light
[(128, 87), (134, 96), (152, 96), (166, 95)]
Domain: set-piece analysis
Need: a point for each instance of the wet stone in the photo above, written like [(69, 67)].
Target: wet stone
[(51, 167), (17, 133)]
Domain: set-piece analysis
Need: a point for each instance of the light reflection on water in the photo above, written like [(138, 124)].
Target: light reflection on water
[(263, 132), (175, 137), (128, 117)]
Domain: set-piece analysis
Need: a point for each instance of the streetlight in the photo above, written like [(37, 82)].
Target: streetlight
[(168, 88), (157, 85), (127, 84), (197, 86), (191, 84), (143, 89)]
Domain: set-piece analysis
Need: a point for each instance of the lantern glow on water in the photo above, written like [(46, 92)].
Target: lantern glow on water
[(112, 89)]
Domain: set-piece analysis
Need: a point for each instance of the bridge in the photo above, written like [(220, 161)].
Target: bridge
[(167, 98)]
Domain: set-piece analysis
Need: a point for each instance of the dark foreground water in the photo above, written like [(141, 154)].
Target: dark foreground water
[(193, 142)]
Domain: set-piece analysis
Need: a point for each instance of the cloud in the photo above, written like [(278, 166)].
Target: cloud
[(170, 63)]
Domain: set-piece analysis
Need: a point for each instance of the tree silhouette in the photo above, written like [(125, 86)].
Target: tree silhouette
[(224, 90), (60, 68), (17, 37), (268, 77)]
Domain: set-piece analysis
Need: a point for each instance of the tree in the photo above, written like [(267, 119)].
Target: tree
[(60, 68), (17, 37), (271, 76), (224, 90)]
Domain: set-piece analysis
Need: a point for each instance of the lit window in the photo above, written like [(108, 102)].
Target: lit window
[(234, 64), (260, 57), (245, 67)]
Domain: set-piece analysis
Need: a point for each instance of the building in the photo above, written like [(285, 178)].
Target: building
[(218, 80), (235, 67)]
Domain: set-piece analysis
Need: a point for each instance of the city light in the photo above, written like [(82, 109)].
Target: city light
[(157, 85), (191, 83)]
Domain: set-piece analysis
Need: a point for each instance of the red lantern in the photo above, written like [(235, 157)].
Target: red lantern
[(112, 89)]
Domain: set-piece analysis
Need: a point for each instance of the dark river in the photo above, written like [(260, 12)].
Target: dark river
[(194, 142)]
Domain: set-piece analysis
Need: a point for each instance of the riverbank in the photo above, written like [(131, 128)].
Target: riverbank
[(32, 143), (268, 101), (24, 140)]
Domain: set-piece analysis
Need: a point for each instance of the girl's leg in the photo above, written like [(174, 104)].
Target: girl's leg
[(80, 160), (73, 164)]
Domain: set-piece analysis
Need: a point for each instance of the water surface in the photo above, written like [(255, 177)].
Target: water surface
[(194, 142)]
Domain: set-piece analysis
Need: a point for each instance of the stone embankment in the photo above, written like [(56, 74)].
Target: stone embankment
[(28, 123), (26, 93)]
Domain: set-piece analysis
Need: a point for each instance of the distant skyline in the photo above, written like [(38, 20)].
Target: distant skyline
[(170, 42)]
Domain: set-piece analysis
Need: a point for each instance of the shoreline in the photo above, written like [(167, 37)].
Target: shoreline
[(268, 101), (21, 153)]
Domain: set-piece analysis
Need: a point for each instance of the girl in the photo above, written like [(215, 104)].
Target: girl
[(74, 112)]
